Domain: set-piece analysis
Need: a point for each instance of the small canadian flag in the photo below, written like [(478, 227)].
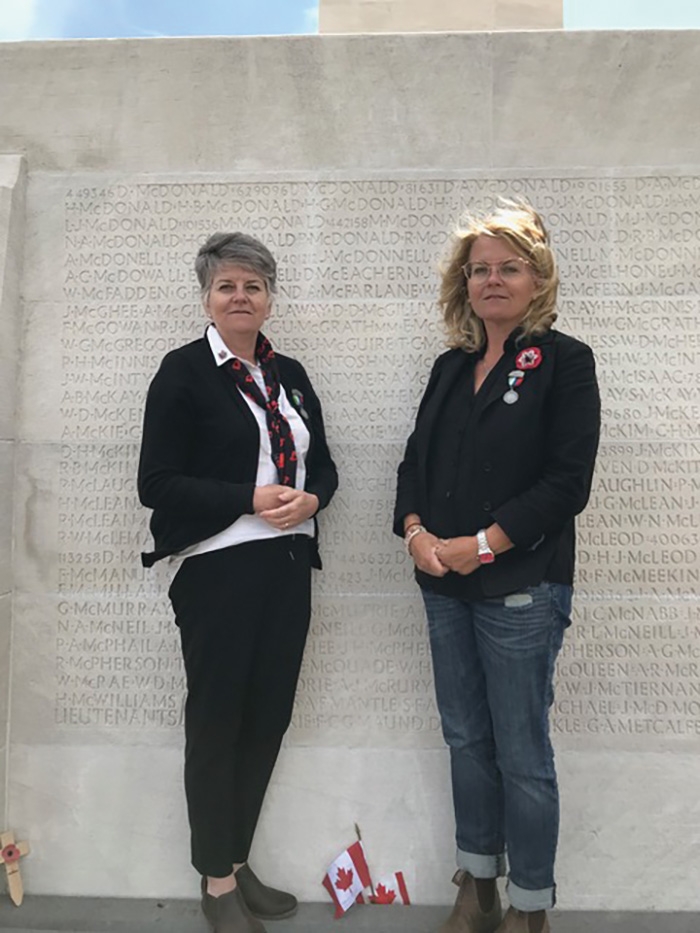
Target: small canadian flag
[(347, 878), (391, 889)]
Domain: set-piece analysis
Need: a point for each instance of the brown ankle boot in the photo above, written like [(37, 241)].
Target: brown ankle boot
[(477, 908), (518, 921)]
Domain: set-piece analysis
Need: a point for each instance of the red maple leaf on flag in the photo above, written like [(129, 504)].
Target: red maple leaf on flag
[(344, 880), (383, 895)]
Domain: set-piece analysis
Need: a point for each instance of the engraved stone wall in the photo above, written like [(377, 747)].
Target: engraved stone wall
[(358, 275), (350, 156)]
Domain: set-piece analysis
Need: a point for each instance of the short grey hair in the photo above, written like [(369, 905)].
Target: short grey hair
[(236, 249)]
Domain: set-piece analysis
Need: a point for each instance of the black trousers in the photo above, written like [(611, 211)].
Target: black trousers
[(243, 614)]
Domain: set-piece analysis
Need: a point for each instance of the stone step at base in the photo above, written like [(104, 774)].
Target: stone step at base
[(115, 915)]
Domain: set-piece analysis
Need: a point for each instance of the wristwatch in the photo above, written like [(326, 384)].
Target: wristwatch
[(484, 553)]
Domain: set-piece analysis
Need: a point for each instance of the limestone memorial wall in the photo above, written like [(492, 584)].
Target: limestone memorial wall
[(353, 167)]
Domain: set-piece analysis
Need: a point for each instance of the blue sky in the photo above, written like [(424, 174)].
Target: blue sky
[(58, 19), (87, 19), (631, 14)]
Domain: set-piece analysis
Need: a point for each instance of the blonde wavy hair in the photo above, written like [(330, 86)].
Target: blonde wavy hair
[(521, 227)]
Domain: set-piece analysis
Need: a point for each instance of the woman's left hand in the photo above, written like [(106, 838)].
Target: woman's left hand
[(296, 507), (459, 554)]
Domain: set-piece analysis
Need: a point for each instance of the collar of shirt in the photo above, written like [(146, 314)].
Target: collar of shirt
[(220, 351)]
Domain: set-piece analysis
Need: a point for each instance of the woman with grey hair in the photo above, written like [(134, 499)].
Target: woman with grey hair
[(235, 465)]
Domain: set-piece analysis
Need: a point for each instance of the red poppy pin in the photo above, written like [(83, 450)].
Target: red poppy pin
[(10, 854), (529, 358)]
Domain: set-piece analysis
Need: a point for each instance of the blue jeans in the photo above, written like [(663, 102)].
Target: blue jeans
[(494, 664)]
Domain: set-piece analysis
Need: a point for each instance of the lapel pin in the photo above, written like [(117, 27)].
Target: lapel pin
[(529, 358), (515, 379), (298, 400)]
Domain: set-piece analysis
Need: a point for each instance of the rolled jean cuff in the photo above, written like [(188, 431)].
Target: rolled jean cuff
[(482, 866), (522, 899)]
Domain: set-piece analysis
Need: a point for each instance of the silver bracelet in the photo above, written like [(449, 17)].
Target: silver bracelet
[(411, 534)]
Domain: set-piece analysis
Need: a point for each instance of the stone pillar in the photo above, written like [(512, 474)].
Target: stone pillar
[(365, 16), (12, 186)]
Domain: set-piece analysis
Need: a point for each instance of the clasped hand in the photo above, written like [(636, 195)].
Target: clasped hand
[(458, 554), (436, 556), (282, 506)]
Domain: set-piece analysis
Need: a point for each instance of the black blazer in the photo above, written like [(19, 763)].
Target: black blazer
[(199, 450), (534, 459)]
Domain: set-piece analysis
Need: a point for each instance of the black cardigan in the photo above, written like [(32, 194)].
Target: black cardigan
[(199, 450), (533, 460)]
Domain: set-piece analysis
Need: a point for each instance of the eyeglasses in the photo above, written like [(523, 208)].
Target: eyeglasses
[(508, 271)]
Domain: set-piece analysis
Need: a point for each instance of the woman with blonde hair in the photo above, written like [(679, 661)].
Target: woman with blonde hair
[(500, 461)]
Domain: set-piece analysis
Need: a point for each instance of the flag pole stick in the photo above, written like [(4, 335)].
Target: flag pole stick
[(359, 839)]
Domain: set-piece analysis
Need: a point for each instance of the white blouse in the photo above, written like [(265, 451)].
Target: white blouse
[(252, 527)]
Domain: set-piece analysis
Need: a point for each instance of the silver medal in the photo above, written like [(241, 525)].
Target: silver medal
[(511, 397)]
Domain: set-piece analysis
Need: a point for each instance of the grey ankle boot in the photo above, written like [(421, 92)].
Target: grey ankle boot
[(263, 901), (477, 908), (228, 913)]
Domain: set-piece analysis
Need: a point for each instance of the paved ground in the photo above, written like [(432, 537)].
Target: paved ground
[(102, 915)]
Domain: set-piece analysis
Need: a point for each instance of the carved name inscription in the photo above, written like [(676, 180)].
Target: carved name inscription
[(358, 279)]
